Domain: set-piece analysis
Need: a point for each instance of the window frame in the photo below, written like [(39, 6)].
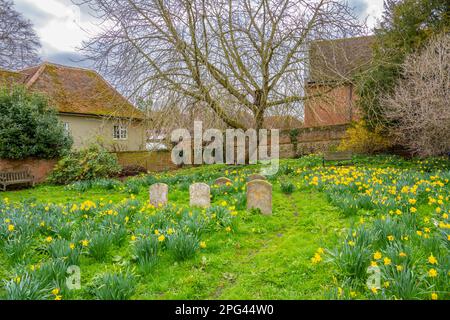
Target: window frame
[(66, 127), (120, 132)]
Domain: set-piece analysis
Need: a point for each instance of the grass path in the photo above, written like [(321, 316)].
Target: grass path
[(268, 257)]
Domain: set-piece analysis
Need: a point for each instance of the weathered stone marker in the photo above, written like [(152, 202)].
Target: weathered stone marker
[(199, 195), (222, 181), (255, 177), (159, 193), (259, 196)]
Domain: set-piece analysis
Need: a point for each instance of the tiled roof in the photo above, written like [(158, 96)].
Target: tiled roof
[(10, 77), (340, 59), (78, 91)]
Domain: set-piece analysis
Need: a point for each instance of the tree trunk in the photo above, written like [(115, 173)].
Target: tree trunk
[(259, 121)]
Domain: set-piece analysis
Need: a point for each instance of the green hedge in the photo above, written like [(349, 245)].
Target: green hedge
[(29, 127), (91, 163)]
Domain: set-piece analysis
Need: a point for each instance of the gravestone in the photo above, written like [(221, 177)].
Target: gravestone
[(255, 177), (259, 196), (159, 193), (222, 181), (199, 195)]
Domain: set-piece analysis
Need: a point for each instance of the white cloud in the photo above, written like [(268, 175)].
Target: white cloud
[(59, 24), (374, 10)]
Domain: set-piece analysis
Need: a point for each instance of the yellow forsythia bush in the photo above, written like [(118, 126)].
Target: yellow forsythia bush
[(362, 140)]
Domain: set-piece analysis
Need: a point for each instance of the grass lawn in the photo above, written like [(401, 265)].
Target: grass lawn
[(231, 253)]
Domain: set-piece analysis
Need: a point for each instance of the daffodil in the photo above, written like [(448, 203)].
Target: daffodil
[(432, 259), (432, 273)]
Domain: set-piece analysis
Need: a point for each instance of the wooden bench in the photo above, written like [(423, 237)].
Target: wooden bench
[(15, 177), (337, 156)]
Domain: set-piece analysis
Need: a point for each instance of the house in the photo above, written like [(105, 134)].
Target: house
[(90, 109), (332, 67)]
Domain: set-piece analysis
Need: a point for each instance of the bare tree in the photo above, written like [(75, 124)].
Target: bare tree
[(232, 57), (19, 43), (419, 107)]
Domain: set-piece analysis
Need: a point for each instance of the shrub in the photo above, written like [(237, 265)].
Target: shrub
[(361, 140), (91, 163), (29, 127), (352, 258), (114, 286), (404, 28), (25, 288), (99, 245), (53, 274), (220, 216), (61, 248), (182, 245), (132, 186), (287, 187), (16, 249), (419, 106), (146, 252)]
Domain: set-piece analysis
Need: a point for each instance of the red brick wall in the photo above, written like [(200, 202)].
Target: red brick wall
[(335, 106), (39, 168)]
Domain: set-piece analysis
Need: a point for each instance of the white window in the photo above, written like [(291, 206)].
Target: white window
[(120, 132), (66, 127)]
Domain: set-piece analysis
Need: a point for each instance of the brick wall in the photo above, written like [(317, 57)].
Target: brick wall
[(39, 168), (330, 106), (309, 140)]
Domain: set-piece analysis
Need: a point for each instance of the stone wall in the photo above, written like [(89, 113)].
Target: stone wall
[(311, 140), (39, 168), (320, 139), (152, 161)]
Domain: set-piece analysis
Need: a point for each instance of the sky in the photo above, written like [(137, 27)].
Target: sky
[(62, 26)]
